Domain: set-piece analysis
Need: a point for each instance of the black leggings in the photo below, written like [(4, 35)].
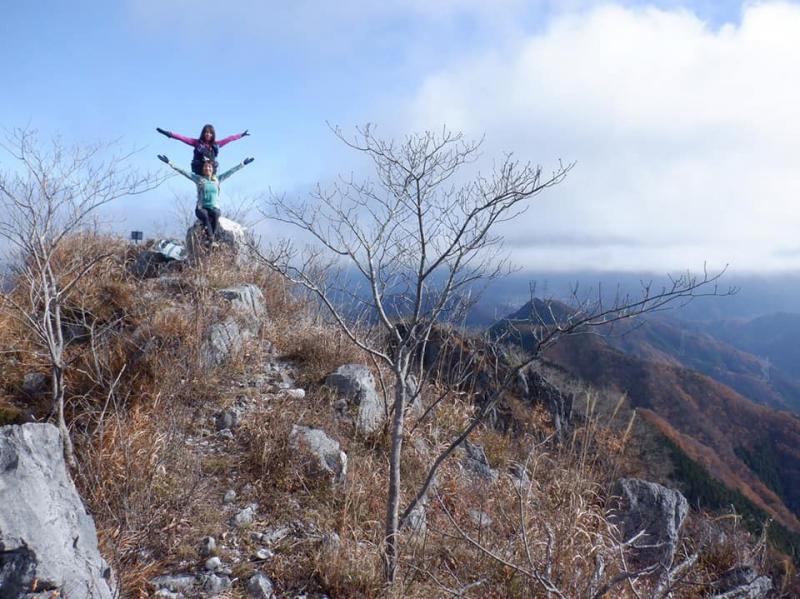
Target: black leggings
[(210, 219)]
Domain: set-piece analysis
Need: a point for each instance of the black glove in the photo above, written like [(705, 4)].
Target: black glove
[(163, 158), (246, 133), (248, 160), (163, 132)]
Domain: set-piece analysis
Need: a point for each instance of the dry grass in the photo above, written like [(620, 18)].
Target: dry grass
[(138, 393)]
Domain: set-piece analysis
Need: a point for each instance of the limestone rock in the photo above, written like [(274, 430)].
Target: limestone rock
[(245, 516), (45, 533), (248, 301), (222, 340), (175, 583), (476, 463), (356, 384), (232, 237), (657, 511), (260, 586), (213, 564), (215, 583), (326, 457)]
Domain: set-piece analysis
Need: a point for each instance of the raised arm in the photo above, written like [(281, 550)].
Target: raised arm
[(187, 140), (231, 138), (239, 166), (190, 176)]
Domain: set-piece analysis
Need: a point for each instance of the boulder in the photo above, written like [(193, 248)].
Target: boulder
[(231, 236), (356, 384), (326, 457), (47, 540), (652, 509), (222, 340), (248, 301)]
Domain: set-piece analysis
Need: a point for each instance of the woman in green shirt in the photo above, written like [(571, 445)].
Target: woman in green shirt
[(207, 208)]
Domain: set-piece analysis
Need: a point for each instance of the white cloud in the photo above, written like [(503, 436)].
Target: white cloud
[(686, 136)]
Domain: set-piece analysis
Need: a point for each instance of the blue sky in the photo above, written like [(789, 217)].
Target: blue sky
[(623, 88)]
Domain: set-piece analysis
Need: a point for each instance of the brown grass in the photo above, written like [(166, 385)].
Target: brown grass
[(138, 395)]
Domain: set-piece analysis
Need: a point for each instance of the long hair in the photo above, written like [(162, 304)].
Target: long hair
[(213, 134)]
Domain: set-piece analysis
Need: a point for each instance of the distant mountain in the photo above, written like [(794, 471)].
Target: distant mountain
[(773, 337), (750, 448), (756, 294), (681, 344)]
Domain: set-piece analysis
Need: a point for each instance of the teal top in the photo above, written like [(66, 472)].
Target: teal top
[(207, 187)]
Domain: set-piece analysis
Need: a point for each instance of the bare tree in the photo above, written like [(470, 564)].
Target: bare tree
[(418, 240), (49, 198)]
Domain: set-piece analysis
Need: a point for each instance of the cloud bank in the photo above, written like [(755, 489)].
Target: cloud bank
[(685, 135)]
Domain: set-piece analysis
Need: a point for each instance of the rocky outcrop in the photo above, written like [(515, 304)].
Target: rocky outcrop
[(227, 337), (222, 339), (232, 237), (248, 301), (326, 459), (47, 540), (535, 389), (357, 385), (654, 513)]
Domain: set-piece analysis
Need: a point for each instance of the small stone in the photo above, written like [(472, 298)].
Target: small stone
[(213, 564), (260, 586), (175, 582), (230, 496), (248, 488), (275, 534), (215, 584), (246, 516), (296, 393), (229, 419), (264, 553), (226, 433), (166, 594), (284, 386), (208, 546)]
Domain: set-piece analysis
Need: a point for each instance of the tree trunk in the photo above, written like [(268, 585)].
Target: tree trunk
[(391, 549), (58, 401)]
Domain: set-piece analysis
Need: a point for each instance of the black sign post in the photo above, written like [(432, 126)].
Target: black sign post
[(136, 236)]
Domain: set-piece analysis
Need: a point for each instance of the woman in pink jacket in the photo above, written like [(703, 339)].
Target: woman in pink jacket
[(206, 147)]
